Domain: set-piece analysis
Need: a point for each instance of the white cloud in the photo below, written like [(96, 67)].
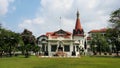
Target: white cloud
[(4, 5), (68, 24), (32, 24), (94, 14)]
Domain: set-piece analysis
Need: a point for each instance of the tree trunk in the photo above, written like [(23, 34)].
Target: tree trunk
[(117, 53), (99, 53), (10, 52), (1, 54), (94, 53), (110, 53), (105, 53), (26, 54)]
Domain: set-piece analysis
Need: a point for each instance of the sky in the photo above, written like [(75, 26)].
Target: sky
[(41, 16)]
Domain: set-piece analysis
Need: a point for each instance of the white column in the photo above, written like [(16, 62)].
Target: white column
[(71, 48), (49, 49), (63, 48), (45, 47)]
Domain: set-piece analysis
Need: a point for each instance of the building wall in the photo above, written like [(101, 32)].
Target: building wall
[(57, 43), (72, 41), (79, 40)]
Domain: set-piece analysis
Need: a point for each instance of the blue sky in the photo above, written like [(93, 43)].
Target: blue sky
[(41, 16), (18, 11)]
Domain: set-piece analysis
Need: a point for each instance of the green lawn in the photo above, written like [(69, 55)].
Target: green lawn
[(83, 62)]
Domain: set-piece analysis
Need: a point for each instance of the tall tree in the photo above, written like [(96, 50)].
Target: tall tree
[(114, 32), (29, 41), (115, 19)]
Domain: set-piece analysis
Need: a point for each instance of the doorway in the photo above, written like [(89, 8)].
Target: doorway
[(60, 48)]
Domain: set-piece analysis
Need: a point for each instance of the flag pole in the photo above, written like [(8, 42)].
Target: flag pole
[(60, 22)]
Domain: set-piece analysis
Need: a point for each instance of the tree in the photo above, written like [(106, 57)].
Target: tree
[(9, 41), (99, 44), (16, 41), (115, 19), (93, 43), (104, 44), (114, 31), (29, 41), (36, 49)]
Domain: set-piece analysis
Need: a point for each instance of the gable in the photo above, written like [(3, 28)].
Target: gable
[(61, 33)]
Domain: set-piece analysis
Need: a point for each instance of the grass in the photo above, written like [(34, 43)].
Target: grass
[(83, 62)]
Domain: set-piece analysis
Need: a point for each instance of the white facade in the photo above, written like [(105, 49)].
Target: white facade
[(64, 43), (70, 45)]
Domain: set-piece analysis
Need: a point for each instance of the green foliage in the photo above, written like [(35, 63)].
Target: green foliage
[(29, 42), (28, 38), (36, 48), (9, 41), (114, 33), (99, 43), (115, 19)]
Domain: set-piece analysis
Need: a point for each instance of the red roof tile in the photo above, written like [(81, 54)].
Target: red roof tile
[(78, 24), (49, 33), (96, 31), (55, 35)]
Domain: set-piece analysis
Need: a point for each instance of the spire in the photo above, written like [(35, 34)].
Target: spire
[(78, 24), (77, 14), (78, 28)]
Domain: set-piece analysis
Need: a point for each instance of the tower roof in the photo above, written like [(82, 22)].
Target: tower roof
[(78, 24), (78, 31)]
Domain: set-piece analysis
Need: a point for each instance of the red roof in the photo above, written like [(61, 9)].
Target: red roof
[(55, 34), (49, 33), (78, 24), (96, 31)]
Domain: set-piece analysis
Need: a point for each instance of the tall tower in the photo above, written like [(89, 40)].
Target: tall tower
[(78, 36), (78, 28)]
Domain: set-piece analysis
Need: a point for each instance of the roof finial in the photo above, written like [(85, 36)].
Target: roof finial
[(77, 14), (60, 22)]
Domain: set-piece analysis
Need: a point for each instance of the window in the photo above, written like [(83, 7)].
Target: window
[(53, 48), (67, 48)]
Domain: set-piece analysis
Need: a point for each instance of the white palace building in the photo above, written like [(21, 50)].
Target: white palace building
[(64, 43)]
